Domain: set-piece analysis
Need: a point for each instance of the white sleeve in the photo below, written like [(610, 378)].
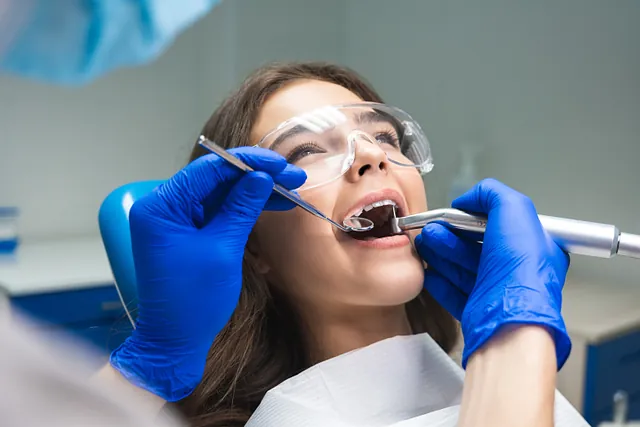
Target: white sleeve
[(47, 384)]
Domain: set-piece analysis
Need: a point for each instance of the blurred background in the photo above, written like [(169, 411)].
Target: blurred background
[(549, 90), (546, 93)]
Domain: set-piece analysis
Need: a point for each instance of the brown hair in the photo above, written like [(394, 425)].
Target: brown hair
[(264, 343)]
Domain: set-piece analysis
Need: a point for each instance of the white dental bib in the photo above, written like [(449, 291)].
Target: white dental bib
[(399, 382)]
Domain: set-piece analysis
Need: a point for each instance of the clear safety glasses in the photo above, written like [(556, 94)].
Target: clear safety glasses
[(324, 142)]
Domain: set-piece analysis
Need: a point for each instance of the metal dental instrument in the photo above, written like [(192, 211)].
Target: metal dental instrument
[(573, 236), (361, 225)]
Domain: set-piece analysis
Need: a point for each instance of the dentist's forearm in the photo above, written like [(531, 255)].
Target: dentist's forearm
[(511, 380), (109, 377)]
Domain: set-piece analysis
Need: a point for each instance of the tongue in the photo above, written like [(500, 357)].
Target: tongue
[(379, 216)]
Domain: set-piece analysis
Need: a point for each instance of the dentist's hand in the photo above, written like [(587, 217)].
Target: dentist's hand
[(188, 239), (515, 277)]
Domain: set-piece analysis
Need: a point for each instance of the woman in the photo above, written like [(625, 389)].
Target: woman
[(309, 292)]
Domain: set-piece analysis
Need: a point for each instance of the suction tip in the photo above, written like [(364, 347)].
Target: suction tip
[(394, 223)]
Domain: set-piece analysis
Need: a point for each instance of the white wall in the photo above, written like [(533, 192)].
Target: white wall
[(550, 89)]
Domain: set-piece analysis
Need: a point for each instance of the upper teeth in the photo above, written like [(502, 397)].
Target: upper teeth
[(377, 204)]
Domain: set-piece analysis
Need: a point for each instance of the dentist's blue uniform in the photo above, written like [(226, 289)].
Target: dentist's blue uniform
[(72, 42)]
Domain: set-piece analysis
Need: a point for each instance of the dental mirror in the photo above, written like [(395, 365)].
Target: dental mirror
[(358, 224)]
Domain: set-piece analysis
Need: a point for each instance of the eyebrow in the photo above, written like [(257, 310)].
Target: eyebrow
[(376, 116), (373, 117), (367, 117), (296, 130)]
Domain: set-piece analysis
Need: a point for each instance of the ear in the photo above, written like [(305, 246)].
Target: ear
[(253, 249)]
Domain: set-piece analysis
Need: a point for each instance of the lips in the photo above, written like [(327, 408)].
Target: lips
[(396, 241)]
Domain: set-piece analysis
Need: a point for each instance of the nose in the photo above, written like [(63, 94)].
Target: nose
[(369, 157)]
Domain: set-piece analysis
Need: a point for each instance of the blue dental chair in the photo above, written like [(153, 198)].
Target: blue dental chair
[(113, 219)]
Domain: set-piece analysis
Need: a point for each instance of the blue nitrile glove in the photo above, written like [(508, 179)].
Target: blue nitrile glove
[(189, 270), (515, 277)]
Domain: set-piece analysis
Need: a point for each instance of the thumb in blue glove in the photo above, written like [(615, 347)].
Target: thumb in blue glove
[(188, 239), (514, 277)]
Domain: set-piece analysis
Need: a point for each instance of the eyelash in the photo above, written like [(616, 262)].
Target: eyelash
[(297, 153), (390, 138)]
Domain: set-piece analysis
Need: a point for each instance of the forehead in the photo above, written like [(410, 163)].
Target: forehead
[(297, 98)]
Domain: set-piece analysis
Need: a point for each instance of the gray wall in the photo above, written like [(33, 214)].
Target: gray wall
[(549, 89)]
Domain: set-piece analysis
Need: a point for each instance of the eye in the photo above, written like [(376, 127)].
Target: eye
[(387, 137), (303, 150)]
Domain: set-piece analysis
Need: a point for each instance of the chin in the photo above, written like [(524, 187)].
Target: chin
[(395, 283)]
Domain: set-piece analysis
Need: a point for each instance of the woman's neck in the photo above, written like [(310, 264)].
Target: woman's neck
[(336, 333)]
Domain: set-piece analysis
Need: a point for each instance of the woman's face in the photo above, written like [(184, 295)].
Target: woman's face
[(317, 264)]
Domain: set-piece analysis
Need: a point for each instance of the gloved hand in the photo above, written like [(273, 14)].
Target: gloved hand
[(515, 277), (188, 240)]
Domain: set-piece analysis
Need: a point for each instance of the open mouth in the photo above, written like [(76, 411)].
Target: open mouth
[(380, 214)]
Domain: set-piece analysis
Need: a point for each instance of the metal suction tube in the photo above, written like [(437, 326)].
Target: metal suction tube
[(573, 236)]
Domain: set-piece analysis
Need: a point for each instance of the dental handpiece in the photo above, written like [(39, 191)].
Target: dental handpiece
[(573, 236)]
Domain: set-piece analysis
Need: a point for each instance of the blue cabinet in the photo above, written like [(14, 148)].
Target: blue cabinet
[(603, 320), (611, 366), (95, 315), (68, 285)]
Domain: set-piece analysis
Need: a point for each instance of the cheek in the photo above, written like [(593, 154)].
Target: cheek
[(414, 192), (277, 233), (413, 189), (295, 245)]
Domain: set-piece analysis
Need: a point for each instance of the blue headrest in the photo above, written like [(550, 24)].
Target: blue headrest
[(113, 219)]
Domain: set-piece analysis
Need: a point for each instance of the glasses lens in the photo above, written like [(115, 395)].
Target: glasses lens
[(323, 142)]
